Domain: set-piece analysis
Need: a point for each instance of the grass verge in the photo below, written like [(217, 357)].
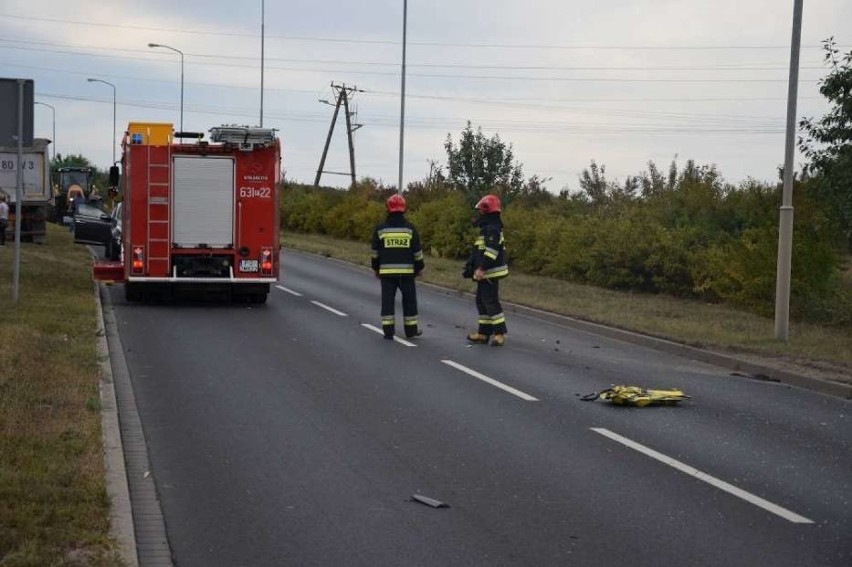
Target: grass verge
[(814, 350), (55, 508)]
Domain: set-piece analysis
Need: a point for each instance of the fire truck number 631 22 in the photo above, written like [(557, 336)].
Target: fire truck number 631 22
[(259, 192)]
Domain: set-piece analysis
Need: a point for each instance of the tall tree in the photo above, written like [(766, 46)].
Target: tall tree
[(827, 142), (593, 182), (480, 165), (73, 160), (605, 195)]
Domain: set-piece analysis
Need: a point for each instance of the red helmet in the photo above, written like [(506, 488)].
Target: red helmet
[(396, 204), (489, 204)]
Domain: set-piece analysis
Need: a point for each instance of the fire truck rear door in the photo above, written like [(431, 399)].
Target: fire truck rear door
[(203, 201)]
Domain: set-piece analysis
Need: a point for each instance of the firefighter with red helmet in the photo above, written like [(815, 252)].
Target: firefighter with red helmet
[(396, 260), (487, 266)]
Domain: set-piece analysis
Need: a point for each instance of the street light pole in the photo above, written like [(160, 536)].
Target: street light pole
[(178, 51), (402, 95), (785, 222), (113, 112), (53, 110), (262, 47)]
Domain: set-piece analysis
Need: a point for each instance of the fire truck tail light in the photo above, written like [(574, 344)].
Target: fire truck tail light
[(266, 261), (137, 264)]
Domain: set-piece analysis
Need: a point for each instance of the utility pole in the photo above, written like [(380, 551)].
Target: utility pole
[(402, 96), (19, 195), (785, 226), (262, 42), (349, 136), (344, 95)]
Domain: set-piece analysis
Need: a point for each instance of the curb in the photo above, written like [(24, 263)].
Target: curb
[(151, 547), (121, 526)]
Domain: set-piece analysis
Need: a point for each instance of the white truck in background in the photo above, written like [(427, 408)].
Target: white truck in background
[(37, 191)]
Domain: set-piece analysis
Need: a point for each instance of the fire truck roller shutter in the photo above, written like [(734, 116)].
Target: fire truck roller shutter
[(203, 201)]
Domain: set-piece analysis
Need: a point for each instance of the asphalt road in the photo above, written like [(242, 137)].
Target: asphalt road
[(293, 434)]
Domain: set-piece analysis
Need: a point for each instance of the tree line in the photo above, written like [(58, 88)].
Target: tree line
[(679, 230)]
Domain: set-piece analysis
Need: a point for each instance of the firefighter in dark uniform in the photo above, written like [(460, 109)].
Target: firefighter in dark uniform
[(396, 260), (487, 265)]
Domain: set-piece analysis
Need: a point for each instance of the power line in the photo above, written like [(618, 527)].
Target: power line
[(556, 101), (618, 113), (554, 104), (113, 25), (717, 67), (692, 117), (460, 76), (444, 124), (509, 101), (146, 80)]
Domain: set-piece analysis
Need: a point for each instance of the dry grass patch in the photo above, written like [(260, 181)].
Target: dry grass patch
[(55, 507)]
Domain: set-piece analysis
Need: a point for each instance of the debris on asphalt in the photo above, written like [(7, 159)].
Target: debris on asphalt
[(762, 377), (636, 396), (428, 501)]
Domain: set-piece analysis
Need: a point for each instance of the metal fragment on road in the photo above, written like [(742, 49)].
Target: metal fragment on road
[(762, 377), (428, 501)]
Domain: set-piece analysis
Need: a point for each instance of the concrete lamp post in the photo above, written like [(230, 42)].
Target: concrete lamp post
[(53, 140), (113, 111), (178, 51)]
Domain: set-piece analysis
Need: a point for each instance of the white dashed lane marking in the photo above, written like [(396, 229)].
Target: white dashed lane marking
[(720, 484), (524, 396), (290, 291), (330, 309), (379, 331)]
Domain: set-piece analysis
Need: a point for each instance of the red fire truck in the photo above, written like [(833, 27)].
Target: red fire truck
[(197, 215)]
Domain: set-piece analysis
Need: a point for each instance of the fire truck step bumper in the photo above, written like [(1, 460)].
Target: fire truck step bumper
[(106, 271)]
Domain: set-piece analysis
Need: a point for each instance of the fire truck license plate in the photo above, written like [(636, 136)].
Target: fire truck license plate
[(248, 265)]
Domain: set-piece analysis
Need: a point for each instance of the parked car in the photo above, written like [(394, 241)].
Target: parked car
[(91, 224)]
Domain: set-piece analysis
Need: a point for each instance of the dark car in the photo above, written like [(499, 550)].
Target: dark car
[(91, 224), (113, 247)]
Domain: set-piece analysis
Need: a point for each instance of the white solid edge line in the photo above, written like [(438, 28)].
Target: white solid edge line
[(380, 332), (290, 291), (720, 484), (524, 396), (327, 308)]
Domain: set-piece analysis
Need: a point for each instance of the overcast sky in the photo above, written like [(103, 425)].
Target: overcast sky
[(565, 82)]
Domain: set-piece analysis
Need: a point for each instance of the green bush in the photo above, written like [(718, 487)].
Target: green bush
[(743, 271), (669, 265), (740, 270), (303, 210), (693, 236), (445, 226), (529, 233)]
